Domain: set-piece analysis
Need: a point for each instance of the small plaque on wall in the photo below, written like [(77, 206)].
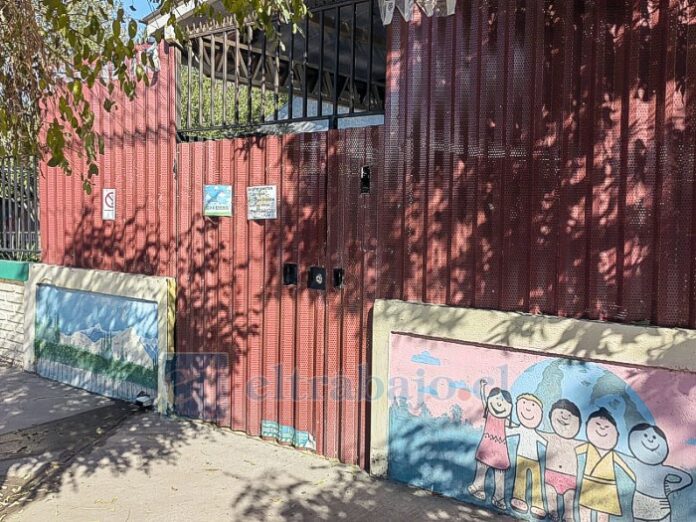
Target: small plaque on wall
[(217, 200), (262, 202), (108, 204)]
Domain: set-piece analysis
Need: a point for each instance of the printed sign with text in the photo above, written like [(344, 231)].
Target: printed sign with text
[(262, 202)]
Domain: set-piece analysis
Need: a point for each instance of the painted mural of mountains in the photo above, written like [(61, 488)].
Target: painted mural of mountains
[(117, 364), (95, 333), (106, 344), (126, 346)]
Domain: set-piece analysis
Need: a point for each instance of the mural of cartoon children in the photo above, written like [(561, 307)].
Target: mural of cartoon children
[(654, 481), (530, 412), (561, 461), (492, 452), (598, 490)]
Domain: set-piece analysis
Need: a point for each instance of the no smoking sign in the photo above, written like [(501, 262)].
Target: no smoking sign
[(108, 204)]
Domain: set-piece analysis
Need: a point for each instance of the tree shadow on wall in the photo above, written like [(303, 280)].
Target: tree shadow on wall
[(527, 180)]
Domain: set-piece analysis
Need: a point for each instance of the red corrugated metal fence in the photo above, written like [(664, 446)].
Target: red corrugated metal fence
[(139, 151), (543, 156), (536, 156), (260, 344)]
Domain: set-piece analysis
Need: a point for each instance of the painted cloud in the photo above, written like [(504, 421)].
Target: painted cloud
[(425, 358)]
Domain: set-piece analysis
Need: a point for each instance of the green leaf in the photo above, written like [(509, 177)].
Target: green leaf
[(78, 38)]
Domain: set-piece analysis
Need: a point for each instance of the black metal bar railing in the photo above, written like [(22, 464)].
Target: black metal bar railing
[(19, 209), (331, 68)]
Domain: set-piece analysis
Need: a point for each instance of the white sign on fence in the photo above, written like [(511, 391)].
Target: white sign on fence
[(108, 204), (262, 202)]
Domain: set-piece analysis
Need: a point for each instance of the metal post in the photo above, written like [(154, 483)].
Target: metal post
[(320, 109), (200, 81), (224, 77), (276, 75), (368, 101), (212, 80), (351, 107), (250, 74), (291, 73), (304, 67), (188, 86), (236, 76), (263, 77), (337, 66)]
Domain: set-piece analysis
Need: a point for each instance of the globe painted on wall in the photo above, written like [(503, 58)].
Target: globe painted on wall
[(590, 386)]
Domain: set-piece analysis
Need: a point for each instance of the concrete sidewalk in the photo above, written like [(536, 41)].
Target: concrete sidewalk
[(147, 467), (28, 400), (43, 425)]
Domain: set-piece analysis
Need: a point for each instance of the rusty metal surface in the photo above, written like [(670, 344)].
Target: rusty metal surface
[(536, 156)]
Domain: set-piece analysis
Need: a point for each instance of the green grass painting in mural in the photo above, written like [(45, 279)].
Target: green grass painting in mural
[(81, 359)]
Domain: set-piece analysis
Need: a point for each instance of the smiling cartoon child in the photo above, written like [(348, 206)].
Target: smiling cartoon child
[(598, 491), (654, 481), (561, 461), (492, 452), (530, 412)]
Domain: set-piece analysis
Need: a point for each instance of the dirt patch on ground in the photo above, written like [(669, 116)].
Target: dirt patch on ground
[(32, 456)]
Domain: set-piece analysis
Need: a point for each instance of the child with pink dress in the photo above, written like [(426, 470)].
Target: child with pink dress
[(492, 452)]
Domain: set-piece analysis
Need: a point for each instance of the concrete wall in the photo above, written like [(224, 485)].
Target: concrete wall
[(77, 321), (449, 381), (12, 277), (11, 322)]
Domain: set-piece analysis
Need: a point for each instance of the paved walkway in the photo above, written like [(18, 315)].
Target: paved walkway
[(43, 426), (140, 466), (28, 400)]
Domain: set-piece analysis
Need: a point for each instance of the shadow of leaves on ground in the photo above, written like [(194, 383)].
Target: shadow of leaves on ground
[(49, 434), (343, 493)]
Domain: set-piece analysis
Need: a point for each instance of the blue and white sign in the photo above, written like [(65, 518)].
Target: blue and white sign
[(217, 200)]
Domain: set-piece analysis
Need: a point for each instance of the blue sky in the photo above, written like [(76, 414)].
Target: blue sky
[(142, 7), (77, 310)]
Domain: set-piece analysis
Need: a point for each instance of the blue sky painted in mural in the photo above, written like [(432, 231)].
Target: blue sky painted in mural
[(96, 314), (590, 386), (425, 358)]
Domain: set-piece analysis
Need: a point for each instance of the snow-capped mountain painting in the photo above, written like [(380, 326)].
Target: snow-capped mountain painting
[(103, 343)]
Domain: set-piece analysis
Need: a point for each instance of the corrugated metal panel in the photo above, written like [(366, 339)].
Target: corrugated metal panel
[(570, 122), (137, 161), (535, 156), (286, 342)]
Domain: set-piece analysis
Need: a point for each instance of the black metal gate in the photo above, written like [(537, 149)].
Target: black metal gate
[(19, 209)]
